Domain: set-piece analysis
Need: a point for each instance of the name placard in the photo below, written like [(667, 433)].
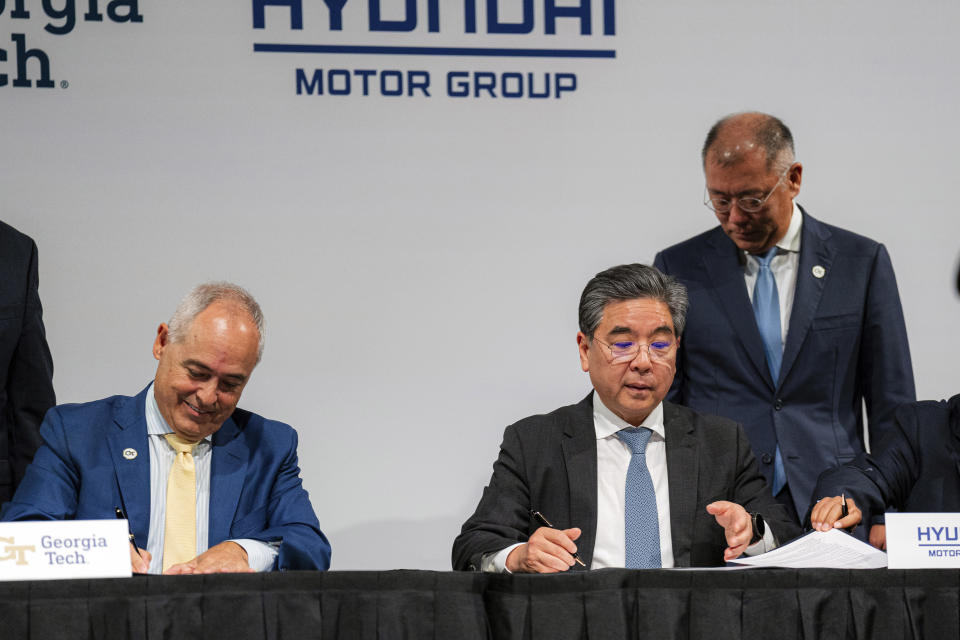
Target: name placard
[(923, 540), (59, 549)]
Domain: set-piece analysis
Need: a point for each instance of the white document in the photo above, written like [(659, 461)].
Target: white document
[(923, 540), (832, 549), (57, 549)]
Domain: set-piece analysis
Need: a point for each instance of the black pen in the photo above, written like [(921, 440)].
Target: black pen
[(122, 516), (543, 520), (844, 512)]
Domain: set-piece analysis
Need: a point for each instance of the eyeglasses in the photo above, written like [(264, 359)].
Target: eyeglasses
[(720, 204), (620, 352)]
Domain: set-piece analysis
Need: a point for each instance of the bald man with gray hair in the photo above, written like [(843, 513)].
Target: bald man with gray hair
[(795, 326)]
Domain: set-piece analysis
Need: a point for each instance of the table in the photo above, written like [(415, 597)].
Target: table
[(779, 604)]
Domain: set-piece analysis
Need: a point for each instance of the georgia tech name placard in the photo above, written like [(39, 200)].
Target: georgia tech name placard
[(54, 549)]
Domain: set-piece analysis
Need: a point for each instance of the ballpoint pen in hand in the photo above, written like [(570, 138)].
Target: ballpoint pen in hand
[(122, 516), (543, 520)]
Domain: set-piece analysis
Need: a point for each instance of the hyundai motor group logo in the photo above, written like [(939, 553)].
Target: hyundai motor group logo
[(940, 542), (422, 30)]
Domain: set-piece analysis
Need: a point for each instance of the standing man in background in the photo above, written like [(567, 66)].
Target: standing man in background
[(26, 368), (794, 324)]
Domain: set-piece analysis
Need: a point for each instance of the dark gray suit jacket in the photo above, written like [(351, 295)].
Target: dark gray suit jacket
[(846, 346), (548, 463)]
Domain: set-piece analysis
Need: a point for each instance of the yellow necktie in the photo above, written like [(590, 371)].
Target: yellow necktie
[(180, 528)]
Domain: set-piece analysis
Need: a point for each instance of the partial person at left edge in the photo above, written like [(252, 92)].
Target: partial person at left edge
[(26, 368), (206, 487)]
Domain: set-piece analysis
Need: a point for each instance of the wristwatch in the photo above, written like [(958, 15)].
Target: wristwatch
[(759, 528)]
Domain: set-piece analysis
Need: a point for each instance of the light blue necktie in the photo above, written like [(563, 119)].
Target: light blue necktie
[(766, 308), (642, 528)]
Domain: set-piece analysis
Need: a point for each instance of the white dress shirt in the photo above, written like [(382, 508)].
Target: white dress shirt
[(784, 266), (260, 555), (613, 461)]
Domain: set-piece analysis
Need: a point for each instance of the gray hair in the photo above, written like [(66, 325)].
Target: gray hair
[(202, 296), (769, 132), (629, 282)]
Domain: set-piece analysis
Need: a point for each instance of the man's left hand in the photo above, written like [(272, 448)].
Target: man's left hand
[(226, 557), (736, 526), (878, 536)]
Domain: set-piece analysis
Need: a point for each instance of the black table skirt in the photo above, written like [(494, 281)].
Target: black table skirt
[(770, 604)]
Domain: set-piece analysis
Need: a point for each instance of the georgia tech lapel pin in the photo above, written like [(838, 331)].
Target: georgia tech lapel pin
[(818, 271), (129, 454)]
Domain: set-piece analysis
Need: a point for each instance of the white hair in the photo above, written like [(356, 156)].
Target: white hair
[(202, 296)]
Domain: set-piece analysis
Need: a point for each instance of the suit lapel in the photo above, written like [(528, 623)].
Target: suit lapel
[(133, 469), (227, 470), (729, 287), (579, 448), (815, 250), (683, 472)]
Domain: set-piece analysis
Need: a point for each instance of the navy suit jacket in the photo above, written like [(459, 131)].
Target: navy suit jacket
[(846, 345), (26, 369), (548, 463), (80, 472), (916, 468)]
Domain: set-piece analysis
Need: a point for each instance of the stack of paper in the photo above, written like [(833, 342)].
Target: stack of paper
[(832, 549)]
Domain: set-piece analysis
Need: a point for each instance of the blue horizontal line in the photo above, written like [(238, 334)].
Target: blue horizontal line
[(435, 51), (938, 545)]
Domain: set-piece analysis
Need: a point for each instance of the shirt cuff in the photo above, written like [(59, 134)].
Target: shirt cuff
[(496, 561), (767, 543), (260, 555)]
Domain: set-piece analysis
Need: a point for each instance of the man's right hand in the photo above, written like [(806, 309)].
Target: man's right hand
[(827, 514), (138, 564), (547, 551)]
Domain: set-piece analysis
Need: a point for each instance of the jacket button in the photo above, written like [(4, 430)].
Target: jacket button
[(778, 404), (767, 458)]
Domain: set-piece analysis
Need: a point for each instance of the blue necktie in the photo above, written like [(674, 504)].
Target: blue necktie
[(642, 527), (766, 308)]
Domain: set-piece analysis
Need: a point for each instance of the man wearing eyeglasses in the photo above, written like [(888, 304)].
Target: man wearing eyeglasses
[(622, 479), (794, 324)]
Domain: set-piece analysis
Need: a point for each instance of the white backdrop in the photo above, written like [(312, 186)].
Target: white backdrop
[(419, 259)]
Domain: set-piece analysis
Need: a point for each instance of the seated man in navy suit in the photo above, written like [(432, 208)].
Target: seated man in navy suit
[(914, 469), (206, 487)]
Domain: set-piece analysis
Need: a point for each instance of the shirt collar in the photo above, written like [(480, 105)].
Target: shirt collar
[(156, 424), (791, 239), (607, 423)]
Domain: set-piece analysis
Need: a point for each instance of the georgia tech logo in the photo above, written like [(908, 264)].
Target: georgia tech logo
[(60, 21), (12, 551)]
